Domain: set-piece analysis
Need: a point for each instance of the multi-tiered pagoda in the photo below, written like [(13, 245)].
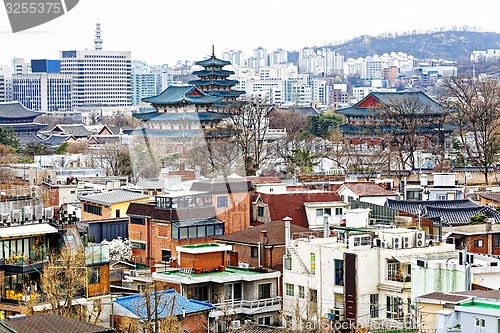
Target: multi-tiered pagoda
[(213, 80)]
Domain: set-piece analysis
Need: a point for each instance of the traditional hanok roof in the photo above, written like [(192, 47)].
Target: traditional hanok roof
[(214, 82), (49, 323), (23, 127), (175, 95), (275, 233), (223, 185), (415, 207), (76, 130), (162, 116), (55, 140), (368, 189), (461, 216), (226, 93), (15, 110), (215, 72), (301, 111), (113, 197), (170, 303), (213, 62)]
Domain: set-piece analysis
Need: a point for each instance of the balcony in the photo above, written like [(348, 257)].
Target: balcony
[(23, 264), (247, 307), (96, 254)]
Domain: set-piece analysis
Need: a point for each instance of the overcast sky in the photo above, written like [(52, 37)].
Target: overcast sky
[(164, 31)]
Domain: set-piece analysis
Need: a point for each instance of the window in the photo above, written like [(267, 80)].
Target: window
[(117, 213), (479, 322), (313, 263), (166, 255), (313, 295), (394, 271), (339, 272), (362, 240), (497, 240), (136, 220), (289, 289), (265, 320), (323, 211), (288, 321), (394, 307), (93, 275), (441, 197), (338, 211), (254, 252), (222, 201), (478, 243), (374, 306), (137, 245), (260, 211), (301, 292), (264, 290), (92, 209)]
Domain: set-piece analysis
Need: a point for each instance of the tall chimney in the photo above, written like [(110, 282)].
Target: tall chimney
[(326, 226), (287, 231)]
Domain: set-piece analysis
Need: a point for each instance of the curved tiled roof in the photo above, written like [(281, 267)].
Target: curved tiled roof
[(413, 206), (214, 82), (213, 61), (15, 110), (220, 72), (179, 95), (181, 116)]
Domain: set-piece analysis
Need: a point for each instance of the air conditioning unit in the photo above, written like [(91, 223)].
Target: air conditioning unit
[(243, 265), (49, 213), (407, 240), (5, 218), (397, 243), (420, 238), (15, 215), (235, 324), (28, 213), (38, 212)]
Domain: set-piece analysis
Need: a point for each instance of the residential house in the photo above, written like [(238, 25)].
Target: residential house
[(442, 187), (359, 274), (49, 323), (173, 219), (366, 191), (305, 207), (56, 192), (260, 246), (489, 199), (466, 311), (237, 293), (192, 315), (106, 229), (478, 238), (108, 205), (231, 198)]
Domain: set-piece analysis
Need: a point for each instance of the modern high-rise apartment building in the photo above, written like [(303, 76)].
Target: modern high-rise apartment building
[(100, 78), (144, 85)]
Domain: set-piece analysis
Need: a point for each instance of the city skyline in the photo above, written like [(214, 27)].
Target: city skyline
[(165, 32)]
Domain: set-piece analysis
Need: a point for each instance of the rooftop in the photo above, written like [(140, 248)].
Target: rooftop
[(49, 323), (15, 110), (368, 189), (113, 197)]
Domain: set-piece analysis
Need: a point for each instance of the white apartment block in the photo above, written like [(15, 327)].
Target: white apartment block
[(100, 78), (236, 58), (278, 57), (357, 274)]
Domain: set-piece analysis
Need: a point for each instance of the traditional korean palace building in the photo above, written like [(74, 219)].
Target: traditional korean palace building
[(367, 122), (213, 80), (13, 115)]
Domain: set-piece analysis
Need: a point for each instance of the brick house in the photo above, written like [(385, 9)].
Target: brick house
[(478, 238), (270, 237), (231, 198)]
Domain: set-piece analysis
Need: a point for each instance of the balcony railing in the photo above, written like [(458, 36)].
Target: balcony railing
[(243, 306)]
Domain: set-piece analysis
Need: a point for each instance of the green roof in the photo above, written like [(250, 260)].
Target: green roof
[(180, 95), (213, 61), (482, 305), (198, 246), (228, 271), (220, 72)]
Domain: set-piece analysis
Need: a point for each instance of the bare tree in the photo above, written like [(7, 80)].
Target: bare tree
[(476, 104), (250, 120), (408, 124)]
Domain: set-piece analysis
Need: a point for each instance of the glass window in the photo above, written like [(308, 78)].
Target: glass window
[(374, 306), (93, 274), (222, 201), (394, 271), (192, 232), (339, 272), (479, 322), (219, 229), (201, 231), (478, 243), (313, 295), (302, 292), (394, 307), (289, 289), (166, 255), (183, 233), (264, 290), (175, 232), (260, 211), (210, 230), (254, 252), (137, 220), (313, 263)]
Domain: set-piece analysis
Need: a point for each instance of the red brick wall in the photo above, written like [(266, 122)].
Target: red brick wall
[(272, 255), (496, 250), (203, 261), (470, 241), (237, 215), (195, 323)]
